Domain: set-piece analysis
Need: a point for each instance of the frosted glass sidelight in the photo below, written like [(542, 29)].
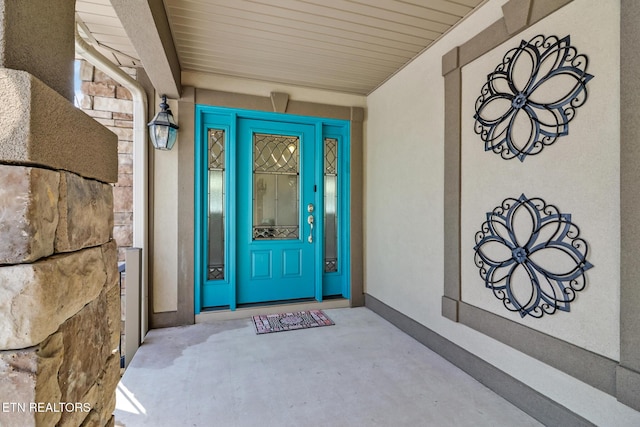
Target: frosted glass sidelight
[(216, 196), (330, 205)]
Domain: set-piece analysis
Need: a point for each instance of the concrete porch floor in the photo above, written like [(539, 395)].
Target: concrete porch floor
[(362, 371)]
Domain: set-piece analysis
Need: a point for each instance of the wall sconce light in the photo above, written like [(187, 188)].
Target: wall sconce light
[(163, 129)]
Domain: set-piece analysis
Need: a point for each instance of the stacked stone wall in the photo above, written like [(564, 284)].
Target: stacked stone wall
[(59, 293), (111, 105)]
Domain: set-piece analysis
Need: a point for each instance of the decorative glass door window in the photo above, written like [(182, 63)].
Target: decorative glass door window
[(216, 142), (276, 172), (330, 205)]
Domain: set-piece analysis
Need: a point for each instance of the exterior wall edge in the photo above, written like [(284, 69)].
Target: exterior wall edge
[(31, 110), (609, 373), (532, 402)]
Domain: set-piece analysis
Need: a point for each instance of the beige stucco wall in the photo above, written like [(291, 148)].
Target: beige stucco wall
[(579, 174), (260, 88), (165, 224), (404, 163)]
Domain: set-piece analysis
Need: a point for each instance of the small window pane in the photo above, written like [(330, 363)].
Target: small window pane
[(275, 186), (216, 204), (330, 205)]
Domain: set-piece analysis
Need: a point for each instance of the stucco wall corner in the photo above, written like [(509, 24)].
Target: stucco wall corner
[(450, 61), (516, 15), (357, 114), (41, 127), (450, 308), (628, 387)]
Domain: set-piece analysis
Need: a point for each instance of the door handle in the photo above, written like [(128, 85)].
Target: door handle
[(310, 221)]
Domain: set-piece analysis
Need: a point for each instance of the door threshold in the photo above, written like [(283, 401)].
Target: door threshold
[(246, 312)]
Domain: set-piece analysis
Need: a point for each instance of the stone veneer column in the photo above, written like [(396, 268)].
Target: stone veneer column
[(59, 294)]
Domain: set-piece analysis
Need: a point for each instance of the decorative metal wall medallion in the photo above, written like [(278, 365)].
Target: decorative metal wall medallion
[(530, 98), (531, 256)]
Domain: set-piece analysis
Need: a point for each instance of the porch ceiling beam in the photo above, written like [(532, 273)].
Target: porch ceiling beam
[(147, 26)]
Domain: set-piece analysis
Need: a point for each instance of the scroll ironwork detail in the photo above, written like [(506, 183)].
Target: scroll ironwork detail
[(216, 149), (330, 156), (272, 232), (531, 256), (330, 265), (530, 98), (276, 153), (216, 272)]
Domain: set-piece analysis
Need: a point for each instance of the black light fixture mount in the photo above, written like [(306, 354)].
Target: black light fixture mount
[(163, 129)]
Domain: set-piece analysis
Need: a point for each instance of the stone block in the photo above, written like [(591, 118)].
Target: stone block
[(122, 133), (86, 213), (41, 127), (86, 102), (92, 420), (125, 180), (125, 163), (110, 255), (107, 384), (123, 93), (99, 114), (100, 397), (125, 146), (30, 376), (87, 342), (98, 89), (123, 235), (113, 104), (114, 314), (105, 122), (122, 199), (86, 71), (100, 77), (35, 299), (123, 116), (123, 123), (29, 212), (122, 218)]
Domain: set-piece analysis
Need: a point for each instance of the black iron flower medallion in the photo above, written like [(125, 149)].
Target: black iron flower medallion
[(530, 98), (531, 256)]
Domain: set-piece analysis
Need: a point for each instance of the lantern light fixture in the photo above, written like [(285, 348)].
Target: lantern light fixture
[(163, 129)]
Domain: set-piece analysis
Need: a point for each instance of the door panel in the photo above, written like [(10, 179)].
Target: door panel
[(275, 185)]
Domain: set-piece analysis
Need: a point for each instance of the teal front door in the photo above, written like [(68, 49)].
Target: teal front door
[(276, 243), (272, 208)]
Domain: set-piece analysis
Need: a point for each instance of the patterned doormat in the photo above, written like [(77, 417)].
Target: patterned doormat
[(289, 321)]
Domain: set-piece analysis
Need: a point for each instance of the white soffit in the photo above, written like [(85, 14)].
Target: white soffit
[(99, 25), (349, 46)]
